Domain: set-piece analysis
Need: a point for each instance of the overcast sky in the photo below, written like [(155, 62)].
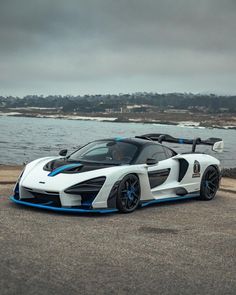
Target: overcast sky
[(117, 46)]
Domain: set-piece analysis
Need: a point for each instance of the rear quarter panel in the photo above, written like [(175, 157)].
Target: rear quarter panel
[(192, 181)]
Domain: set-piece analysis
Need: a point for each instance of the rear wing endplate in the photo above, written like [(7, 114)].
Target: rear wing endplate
[(216, 143)]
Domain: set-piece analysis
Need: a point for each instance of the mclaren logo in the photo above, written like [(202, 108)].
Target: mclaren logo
[(196, 169)]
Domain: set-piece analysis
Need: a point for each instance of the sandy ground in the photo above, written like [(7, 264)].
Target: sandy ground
[(185, 247), (9, 174)]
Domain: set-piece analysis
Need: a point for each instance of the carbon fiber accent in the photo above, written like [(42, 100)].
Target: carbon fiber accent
[(44, 199), (158, 177), (111, 201)]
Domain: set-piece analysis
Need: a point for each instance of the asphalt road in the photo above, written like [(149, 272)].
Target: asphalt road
[(186, 247)]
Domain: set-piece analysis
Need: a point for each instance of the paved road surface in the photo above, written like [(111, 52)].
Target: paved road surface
[(186, 247)]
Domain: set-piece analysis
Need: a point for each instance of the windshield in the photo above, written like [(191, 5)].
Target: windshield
[(106, 151)]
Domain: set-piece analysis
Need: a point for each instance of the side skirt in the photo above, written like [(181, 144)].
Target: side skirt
[(188, 196)]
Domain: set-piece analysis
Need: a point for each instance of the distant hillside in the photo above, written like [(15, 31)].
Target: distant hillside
[(136, 102)]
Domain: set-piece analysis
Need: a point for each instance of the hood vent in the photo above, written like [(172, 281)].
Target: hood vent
[(70, 168)]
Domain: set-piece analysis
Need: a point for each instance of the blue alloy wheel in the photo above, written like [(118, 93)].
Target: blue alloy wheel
[(128, 195)]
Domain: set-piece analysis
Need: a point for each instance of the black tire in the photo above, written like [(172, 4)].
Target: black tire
[(210, 183), (128, 194)]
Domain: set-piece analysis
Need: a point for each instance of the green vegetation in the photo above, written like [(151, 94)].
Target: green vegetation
[(129, 103)]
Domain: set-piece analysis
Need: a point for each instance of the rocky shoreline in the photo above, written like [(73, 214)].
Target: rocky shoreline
[(229, 172), (182, 120)]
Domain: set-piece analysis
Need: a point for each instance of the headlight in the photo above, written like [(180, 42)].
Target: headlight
[(19, 177), (16, 187)]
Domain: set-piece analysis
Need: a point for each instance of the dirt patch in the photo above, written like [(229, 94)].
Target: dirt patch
[(157, 230)]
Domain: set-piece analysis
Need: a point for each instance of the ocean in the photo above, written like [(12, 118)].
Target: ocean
[(24, 139)]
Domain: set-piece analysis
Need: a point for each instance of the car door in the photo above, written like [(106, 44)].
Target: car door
[(159, 172), (165, 171)]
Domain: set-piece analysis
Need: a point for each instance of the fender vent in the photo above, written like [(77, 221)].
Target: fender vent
[(183, 167)]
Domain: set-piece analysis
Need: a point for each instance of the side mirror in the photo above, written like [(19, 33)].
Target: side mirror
[(63, 153), (151, 161)]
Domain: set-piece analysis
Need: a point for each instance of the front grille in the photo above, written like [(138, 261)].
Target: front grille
[(44, 198)]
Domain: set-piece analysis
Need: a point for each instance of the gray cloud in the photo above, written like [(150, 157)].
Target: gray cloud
[(113, 46)]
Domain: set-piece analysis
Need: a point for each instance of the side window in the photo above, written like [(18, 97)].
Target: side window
[(169, 152), (153, 151), (97, 151)]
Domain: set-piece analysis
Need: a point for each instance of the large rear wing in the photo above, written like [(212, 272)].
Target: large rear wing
[(216, 143)]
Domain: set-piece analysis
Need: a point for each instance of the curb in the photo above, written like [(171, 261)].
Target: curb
[(227, 190), (7, 182)]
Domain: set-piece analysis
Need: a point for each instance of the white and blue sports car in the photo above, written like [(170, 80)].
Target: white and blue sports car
[(119, 175)]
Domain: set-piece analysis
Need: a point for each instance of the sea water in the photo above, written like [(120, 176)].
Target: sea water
[(24, 139)]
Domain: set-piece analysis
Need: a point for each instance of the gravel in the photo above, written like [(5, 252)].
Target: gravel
[(185, 247)]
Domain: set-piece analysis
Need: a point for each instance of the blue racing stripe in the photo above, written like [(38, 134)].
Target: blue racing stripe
[(63, 168), (119, 138)]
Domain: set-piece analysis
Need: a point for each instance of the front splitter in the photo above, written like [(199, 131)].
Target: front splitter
[(61, 209)]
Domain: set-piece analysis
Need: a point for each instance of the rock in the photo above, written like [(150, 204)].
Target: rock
[(229, 172)]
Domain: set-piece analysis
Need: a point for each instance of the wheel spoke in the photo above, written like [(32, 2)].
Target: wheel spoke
[(214, 177), (135, 195), (129, 204), (208, 191), (212, 185), (135, 200), (211, 174), (211, 189), (126, 202), (127, 185), (135, 182)]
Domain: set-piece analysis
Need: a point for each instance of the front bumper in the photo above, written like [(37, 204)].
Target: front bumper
[(49, 206)]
